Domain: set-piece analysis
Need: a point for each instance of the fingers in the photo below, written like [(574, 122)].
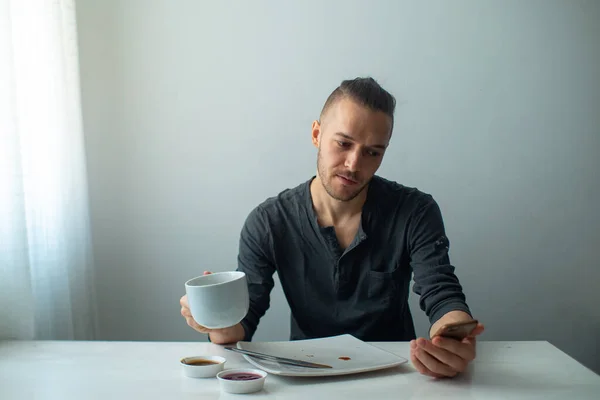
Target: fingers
[(454, 357), (189, 319), (418, 364), (184, 302), (465, 349), (192, 322), (478, 330), (194, 325), (473, 343), (421, 368), (444, 356), (429, 364), (434, 365), (185, 312)]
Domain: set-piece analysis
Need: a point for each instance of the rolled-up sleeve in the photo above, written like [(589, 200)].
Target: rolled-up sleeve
[(434, 279), (255, 259)]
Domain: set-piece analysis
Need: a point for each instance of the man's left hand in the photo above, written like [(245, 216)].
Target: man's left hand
[(444, 357)]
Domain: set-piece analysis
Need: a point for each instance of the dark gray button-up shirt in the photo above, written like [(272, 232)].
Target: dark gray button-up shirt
[(363, 289)]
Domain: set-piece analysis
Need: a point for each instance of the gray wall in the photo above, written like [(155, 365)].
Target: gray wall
[(196, 111)]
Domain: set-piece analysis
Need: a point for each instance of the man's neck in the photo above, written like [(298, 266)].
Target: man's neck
[(331, 211)]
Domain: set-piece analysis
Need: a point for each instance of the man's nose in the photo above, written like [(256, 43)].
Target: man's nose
[(352, 161)]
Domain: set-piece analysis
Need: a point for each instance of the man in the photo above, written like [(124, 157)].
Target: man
[(346, 242)]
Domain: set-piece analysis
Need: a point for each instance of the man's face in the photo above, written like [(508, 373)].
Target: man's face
[(351, 140)]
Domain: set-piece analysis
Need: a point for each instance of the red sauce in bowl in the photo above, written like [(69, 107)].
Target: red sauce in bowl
[(241, 376)]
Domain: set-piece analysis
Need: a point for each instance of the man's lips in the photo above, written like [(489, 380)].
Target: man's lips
[(347, 181)]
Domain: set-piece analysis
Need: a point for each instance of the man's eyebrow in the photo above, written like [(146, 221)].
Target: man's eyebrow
[(346, 136)]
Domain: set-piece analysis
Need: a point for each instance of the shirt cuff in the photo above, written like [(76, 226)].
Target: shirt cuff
[(247, 334), (445, 308)]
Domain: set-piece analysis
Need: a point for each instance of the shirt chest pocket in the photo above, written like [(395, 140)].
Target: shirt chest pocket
[(384, 286)]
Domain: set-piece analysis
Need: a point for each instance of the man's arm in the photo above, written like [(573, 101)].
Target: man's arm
[(435, 282), (255, 258), (441, 298)]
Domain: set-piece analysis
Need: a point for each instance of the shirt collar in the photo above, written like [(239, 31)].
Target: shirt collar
[(368, 210)]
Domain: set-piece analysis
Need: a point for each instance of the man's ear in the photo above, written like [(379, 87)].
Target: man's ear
[(316, 133)]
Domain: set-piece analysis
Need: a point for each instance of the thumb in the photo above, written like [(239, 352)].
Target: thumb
[(472, 338), (478, 330)]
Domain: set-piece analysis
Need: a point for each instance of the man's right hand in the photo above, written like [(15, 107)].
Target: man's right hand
[(218, 336)]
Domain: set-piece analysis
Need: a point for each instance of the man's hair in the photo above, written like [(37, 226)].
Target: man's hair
[(366, 92)]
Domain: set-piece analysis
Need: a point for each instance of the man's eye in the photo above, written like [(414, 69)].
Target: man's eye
[(343, 144), (373, 153)]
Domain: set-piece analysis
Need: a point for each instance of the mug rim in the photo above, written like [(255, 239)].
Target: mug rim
[(239, 276)]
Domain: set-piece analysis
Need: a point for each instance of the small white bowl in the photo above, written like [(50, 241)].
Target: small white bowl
[(202, 371), (242, 386)]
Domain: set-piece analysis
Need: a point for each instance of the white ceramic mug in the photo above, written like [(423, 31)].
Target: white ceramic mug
[(219, 300)]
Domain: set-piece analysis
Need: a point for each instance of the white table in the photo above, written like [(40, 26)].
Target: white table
[(151, 370)]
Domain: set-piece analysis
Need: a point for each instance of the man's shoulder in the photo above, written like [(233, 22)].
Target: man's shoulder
[(396, 193), (287, 200)]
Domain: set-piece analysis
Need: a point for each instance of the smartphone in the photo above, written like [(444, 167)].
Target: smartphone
[(457, 330)]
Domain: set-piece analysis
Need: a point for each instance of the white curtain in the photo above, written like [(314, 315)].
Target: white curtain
[(46, 271)]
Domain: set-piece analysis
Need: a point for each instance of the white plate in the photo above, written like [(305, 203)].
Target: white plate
[(363, 356)]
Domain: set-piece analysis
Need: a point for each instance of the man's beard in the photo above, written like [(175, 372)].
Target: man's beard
[(326, 181)]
